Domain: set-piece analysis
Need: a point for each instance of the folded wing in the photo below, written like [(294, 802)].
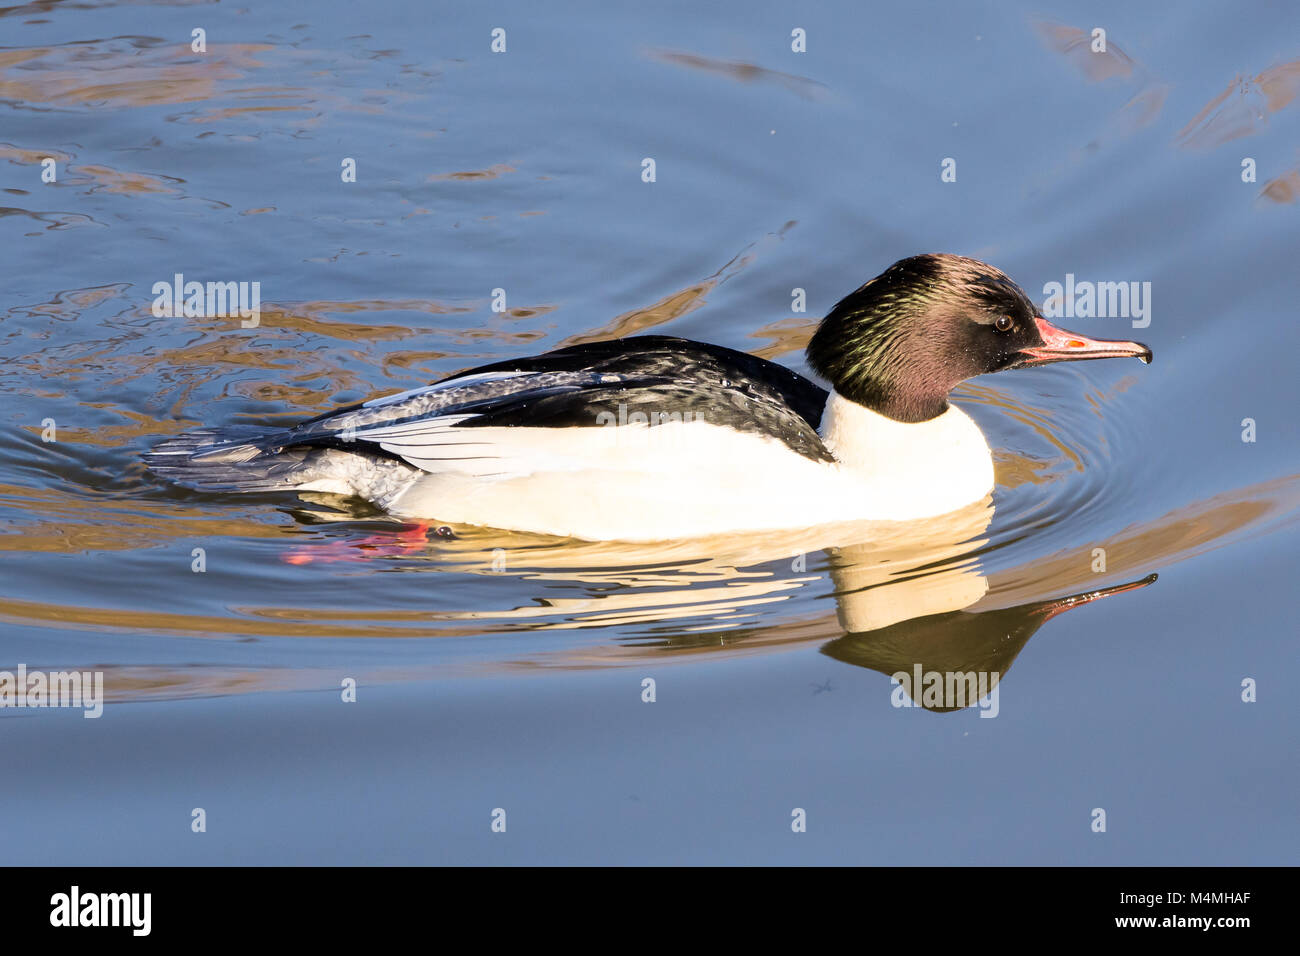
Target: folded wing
[(547, 412)]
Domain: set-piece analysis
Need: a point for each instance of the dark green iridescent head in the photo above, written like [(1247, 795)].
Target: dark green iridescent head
[(903, 341)]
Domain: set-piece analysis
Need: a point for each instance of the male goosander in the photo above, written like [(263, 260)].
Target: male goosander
[(655, 438)]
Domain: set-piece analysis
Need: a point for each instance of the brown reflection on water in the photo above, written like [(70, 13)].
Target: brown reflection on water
[(1032, 590), (71, 525), (100, 178), (31, 157), (231, 112), (1014, 470), (1031, 416), (885, 582), (1141, 110), (474, 175), (304, 379), (219, 626), (66, 306), (119, 183), (787, 335), (317, 318), (1282, 189), (125, 683), (111, 436), (670, 307), (1280, 85), (124, 73), (677, 304), (1176, 536), (1243, 108), (140, 71), (1075, 45), (742, 72), (54, 218), (984, 642)]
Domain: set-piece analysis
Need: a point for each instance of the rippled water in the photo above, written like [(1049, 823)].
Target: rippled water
[(506, 670)]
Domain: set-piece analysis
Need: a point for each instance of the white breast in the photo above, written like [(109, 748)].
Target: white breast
[(914, 470), (691, 479)]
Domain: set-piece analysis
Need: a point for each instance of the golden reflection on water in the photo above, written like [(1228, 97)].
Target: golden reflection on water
[(983, 642), (713, 595), (64, 523), (679, 303), (670, 307), (31, 157), (787, 335), (112, 352), (492, 172), (1036, 418), (957, 618), (1284, 188), (1076, 46), (117, 182), (903, 595), (125, 75), (894, 596), (1243, 108), (1141, 111), (742, 72), (885, 598)]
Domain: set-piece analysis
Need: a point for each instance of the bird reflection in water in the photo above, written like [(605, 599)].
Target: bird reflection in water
[(910, 598)]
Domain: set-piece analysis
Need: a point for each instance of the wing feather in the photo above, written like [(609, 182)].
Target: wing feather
[(546, 412)]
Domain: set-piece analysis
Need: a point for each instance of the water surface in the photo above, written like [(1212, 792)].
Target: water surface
[(506, 671)]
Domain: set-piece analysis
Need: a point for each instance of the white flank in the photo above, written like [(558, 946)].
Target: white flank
[(687, 479)]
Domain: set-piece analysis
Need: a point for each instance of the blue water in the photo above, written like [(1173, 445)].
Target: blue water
[(520, 688)]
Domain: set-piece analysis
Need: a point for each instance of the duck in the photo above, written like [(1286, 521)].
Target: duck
[(657, 438)]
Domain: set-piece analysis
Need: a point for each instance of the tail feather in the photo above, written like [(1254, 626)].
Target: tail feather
[(237, 458)]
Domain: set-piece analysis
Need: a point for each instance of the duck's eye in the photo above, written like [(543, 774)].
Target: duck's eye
[(1003, 324)]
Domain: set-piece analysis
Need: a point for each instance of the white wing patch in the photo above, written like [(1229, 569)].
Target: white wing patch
[(437, 446)]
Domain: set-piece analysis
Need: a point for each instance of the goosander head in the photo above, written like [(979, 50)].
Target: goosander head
[(903, 341)]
